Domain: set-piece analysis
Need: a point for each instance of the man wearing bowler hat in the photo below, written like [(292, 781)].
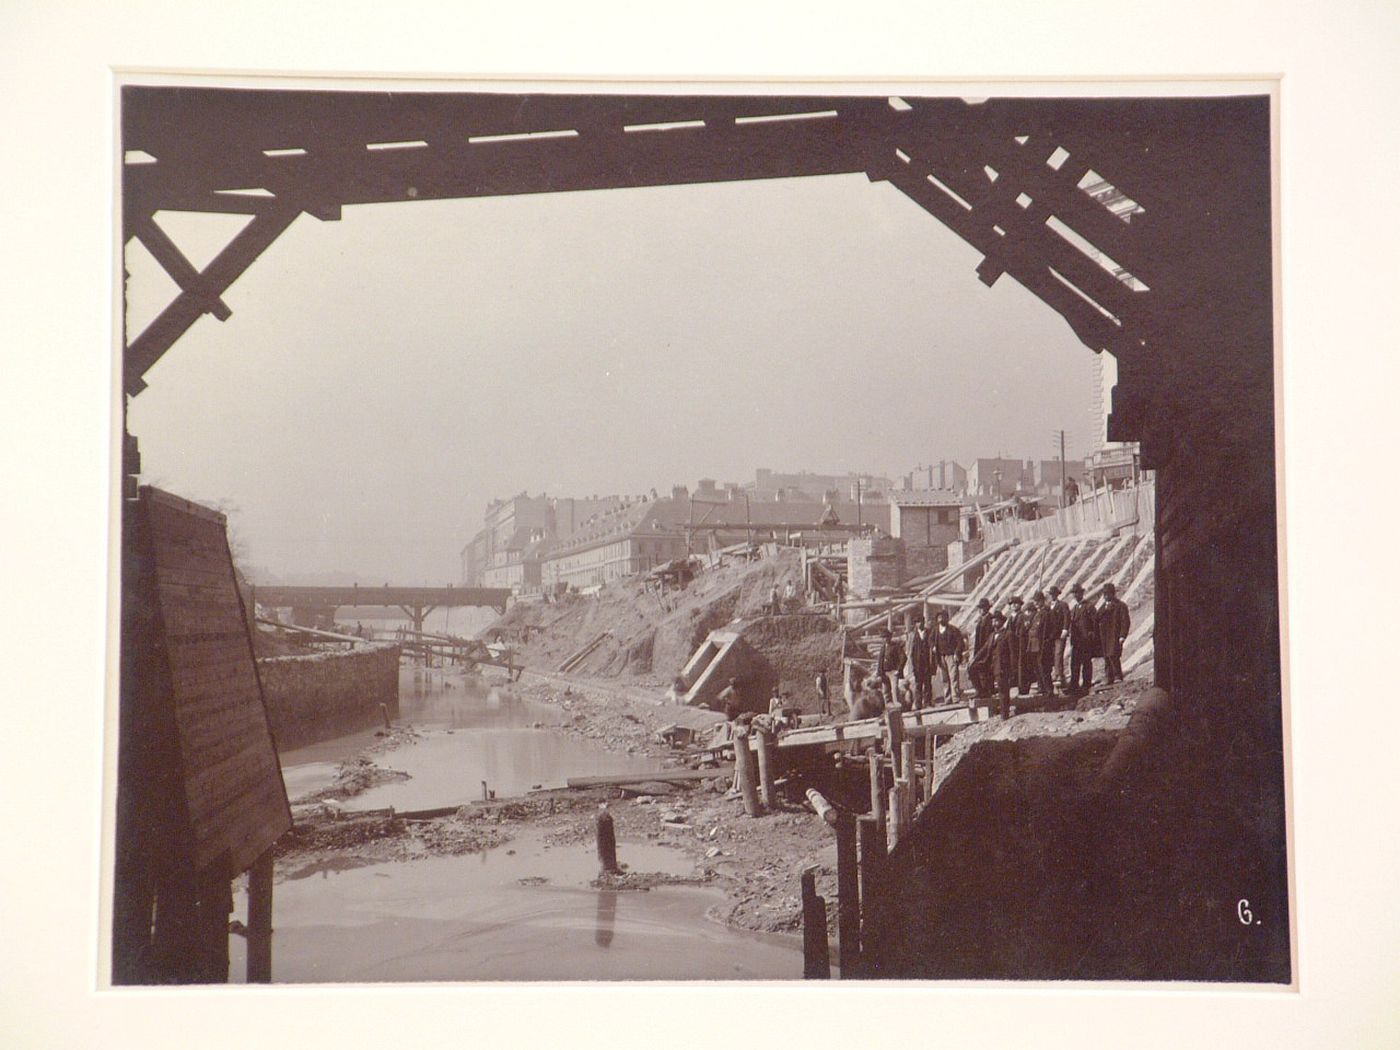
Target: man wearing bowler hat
[(1083, 640), (1059, 635), (1113, 630), (980, 667)]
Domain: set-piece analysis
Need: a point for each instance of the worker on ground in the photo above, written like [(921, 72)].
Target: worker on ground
[(729, 700), (1083, 641), (1059, 635), (949, 647), (1113, 620), (775, 601), (980, 667), (916, 645), (865, 703), (823, 692)]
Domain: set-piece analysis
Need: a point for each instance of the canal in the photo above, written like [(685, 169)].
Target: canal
[(521, 911)]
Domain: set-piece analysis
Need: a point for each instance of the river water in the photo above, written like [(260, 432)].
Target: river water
[(521, 911)]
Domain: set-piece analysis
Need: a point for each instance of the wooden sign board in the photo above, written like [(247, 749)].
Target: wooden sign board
[(233, 794)]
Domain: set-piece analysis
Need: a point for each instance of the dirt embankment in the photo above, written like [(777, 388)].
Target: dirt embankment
[(647, 634)]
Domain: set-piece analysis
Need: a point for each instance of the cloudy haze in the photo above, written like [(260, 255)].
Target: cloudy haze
[(383, 377)]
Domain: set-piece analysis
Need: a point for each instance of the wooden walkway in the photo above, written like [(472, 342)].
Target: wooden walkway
[(948, 719)]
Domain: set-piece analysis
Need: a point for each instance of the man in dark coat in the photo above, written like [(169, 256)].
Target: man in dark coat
[(1059, 635), (1038, 648), (1003, 661), (980, 668), (1083, 641), (889, 666), (916, 648), (948, 647), (1016, 622), (1113, 630)]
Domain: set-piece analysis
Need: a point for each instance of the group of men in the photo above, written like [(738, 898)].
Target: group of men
[(1023, 644), (905, 667)]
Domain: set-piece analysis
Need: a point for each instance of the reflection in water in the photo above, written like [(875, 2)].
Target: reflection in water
[(513, 913), (606, 919)]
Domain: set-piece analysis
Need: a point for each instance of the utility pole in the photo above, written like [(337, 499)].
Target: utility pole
[(1062, 468)]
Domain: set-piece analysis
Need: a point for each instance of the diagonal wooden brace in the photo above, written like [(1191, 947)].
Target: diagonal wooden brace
[(187, 307)]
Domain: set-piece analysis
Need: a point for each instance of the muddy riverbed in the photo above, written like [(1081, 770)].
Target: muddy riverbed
[(508, 888)]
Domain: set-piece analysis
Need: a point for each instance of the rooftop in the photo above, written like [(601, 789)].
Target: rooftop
[(927, 498)]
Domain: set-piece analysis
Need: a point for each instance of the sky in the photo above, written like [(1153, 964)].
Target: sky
[(383, 377)]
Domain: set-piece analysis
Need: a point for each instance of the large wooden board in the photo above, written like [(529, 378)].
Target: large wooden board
[(232, 782)]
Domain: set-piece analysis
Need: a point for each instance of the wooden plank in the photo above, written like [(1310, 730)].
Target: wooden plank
[(1093, 582), (1066, 559), (1093, 554), (1149, 565), (987, 585), (670, 776), (946, 720), (1122, 575)]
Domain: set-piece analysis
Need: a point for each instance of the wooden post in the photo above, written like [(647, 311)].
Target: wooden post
[(744, 771), (765, 769), (877, 791), (906, 751), (485, 795), (871, 840), (898, 794), (816, 949), (930, 752), (848, 896), (259, 965), (607, 842), (894, 729)]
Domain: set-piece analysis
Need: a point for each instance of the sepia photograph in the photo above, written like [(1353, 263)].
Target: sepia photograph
[(644, 525), (638, 536)]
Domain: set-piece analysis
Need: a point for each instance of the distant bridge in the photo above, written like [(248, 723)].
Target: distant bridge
[(416, 602)]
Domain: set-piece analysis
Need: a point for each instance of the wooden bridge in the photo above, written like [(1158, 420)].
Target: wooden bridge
[(416, 602)]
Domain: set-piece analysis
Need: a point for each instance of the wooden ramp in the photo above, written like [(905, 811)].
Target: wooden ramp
[(949, 719)]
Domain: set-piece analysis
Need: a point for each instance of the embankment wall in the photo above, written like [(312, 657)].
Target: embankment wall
[(313, 698)]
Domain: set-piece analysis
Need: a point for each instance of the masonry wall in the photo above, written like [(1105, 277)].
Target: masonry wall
[(921, 561), (873, 564), (314, 698)]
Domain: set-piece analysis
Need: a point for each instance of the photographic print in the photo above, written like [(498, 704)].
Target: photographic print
[(705, 533)]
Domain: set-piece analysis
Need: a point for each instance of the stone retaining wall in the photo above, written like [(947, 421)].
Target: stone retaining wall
[(325, 695)]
